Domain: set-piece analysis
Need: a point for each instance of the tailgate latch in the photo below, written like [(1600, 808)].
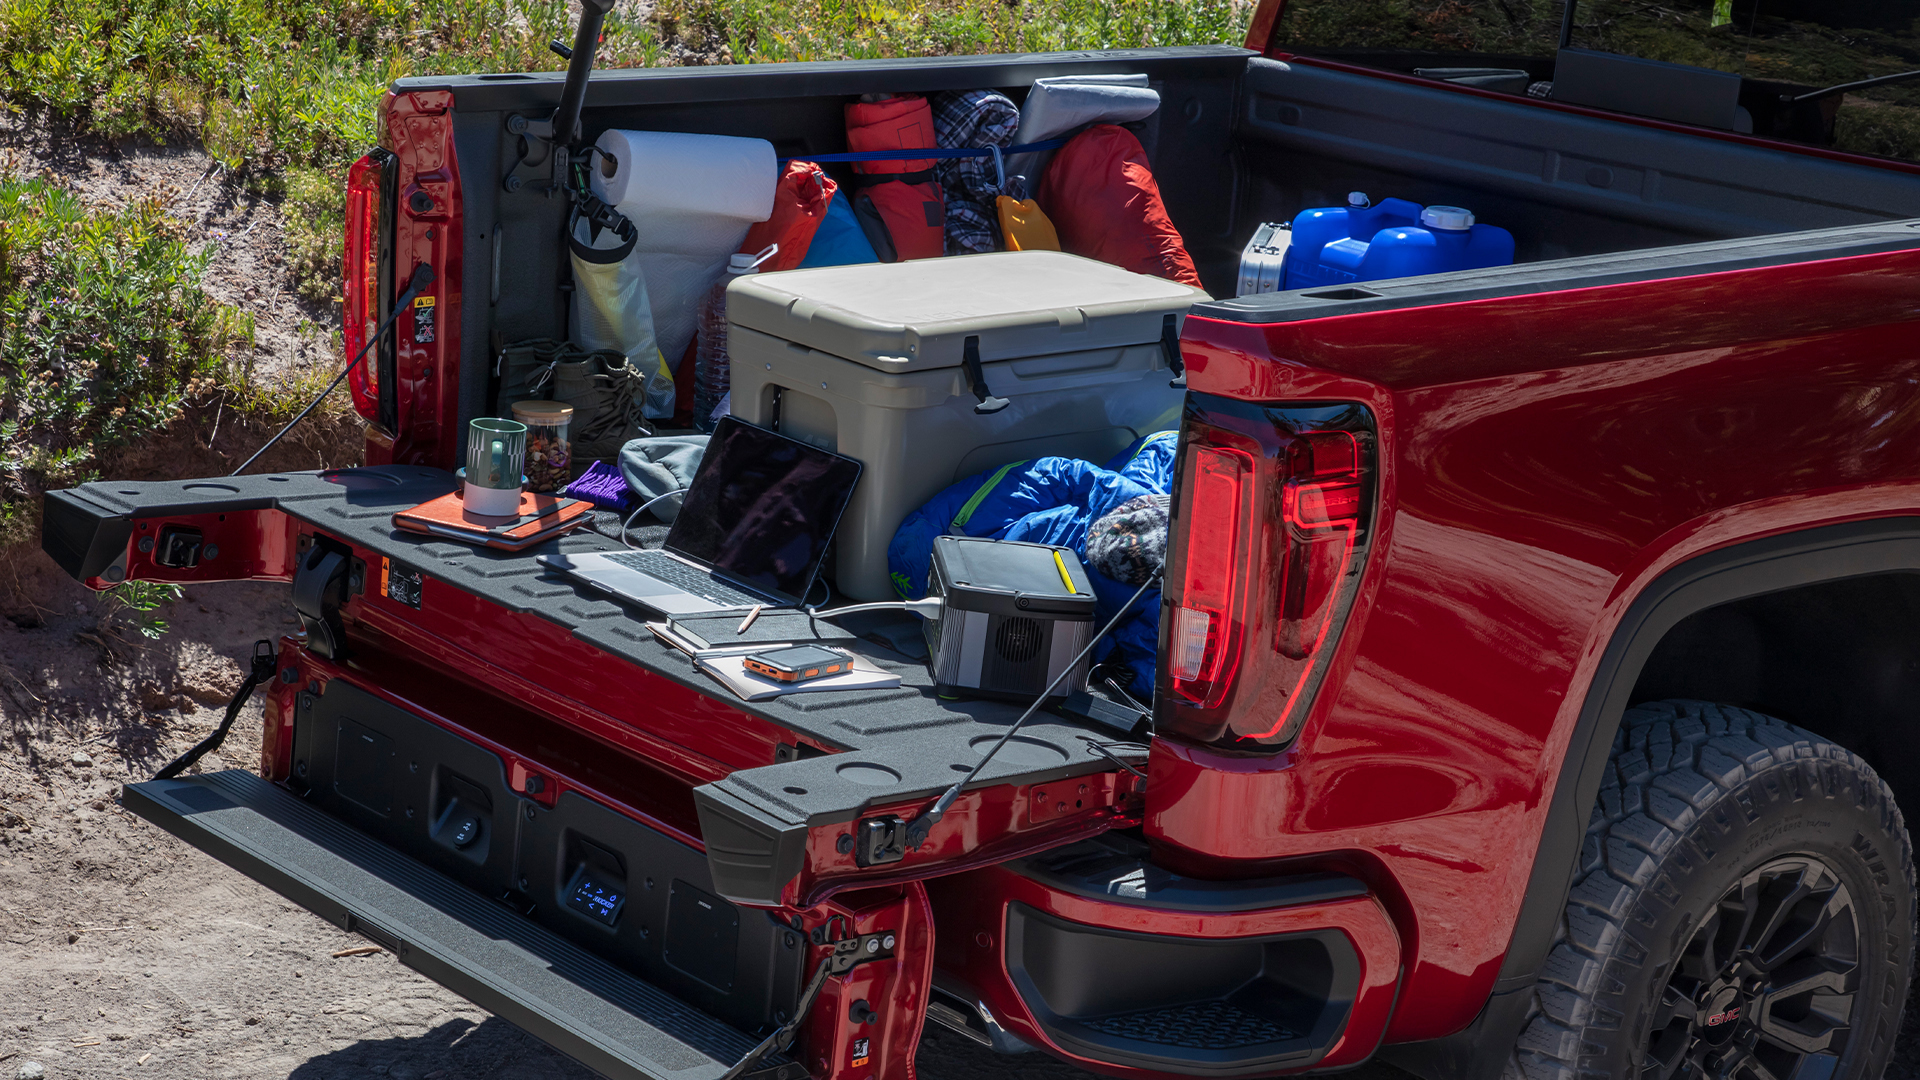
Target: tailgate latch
[(878, 841), (179, 547)]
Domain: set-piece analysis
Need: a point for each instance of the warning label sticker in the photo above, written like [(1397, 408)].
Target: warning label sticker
[(423, 308)]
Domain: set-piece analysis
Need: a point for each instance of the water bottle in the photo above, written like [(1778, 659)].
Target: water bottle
[(712, 374)]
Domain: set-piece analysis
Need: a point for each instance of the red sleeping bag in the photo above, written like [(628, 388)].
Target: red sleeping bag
[(799, 205), (901, 208), (1100, 195)]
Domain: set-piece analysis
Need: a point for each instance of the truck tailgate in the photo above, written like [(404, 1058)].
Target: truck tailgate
[(602, 1016)]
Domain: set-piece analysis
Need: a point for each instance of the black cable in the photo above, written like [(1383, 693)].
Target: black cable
[(782, 1036), (422, 277), (922, 825), (264, 664)]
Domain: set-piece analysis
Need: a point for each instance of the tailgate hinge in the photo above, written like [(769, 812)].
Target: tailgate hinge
[(319, 591)]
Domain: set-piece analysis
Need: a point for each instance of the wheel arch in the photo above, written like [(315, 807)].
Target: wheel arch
[(1754, 568)]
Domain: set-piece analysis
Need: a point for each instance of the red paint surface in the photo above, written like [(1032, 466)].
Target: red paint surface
[(895, 989), (1542, 459), (419, 130), (971, 911)]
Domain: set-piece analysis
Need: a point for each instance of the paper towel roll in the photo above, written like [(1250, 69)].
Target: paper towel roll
[(692, 197)]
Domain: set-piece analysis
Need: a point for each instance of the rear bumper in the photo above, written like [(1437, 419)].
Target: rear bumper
[(1130, 971), (608, 1019)]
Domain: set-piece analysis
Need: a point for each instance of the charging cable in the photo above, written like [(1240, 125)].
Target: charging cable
[(927, 608), (922, 825), (644, 507), (422, 277)]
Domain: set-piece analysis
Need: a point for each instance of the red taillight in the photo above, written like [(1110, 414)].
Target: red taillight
[(1269, 536), (361, 274), (1207, 624)]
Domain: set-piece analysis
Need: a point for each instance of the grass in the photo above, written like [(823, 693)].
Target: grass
[(287, 91), (756, 30)]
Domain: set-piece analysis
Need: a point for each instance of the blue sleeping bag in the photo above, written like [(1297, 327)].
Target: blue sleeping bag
[(1051, 500)]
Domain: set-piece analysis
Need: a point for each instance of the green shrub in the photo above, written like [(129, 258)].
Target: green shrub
[(762, 30), (104, 334)]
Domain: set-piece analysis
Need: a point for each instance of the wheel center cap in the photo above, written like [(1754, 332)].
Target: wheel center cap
[(1722, 1014)]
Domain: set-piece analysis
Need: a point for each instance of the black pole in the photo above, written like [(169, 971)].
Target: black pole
[(586, 41), (1566, 24)]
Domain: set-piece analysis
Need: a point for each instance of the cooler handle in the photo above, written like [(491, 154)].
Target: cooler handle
[(977, 378)]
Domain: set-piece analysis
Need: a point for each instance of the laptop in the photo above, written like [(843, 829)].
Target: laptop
[(752, 530)]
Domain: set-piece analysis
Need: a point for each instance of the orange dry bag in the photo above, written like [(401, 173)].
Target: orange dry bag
[(902, 209), (1100, 195)]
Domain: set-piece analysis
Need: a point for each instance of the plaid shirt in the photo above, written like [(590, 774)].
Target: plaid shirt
[(972, 118)]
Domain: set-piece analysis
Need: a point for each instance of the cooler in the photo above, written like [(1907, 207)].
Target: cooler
[(889, 362)]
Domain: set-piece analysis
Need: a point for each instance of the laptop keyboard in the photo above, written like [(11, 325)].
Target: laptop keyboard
[(701, 583)]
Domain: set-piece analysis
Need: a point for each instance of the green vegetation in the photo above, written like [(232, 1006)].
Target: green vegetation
[(104, 335), (135, 602), (1798, 44), (287, 91), (757, 30)]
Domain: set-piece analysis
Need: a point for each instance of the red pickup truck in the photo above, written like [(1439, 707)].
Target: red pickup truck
[(1575, 745)]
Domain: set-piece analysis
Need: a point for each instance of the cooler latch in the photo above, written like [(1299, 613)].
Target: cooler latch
[(977, 378), (1170, 348)]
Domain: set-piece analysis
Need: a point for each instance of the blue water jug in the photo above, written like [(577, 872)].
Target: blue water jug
[(1364, 242)]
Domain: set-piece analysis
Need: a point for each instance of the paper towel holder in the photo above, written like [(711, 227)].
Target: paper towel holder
[(561, 131)]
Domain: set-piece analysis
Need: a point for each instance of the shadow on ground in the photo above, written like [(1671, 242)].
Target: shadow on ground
[(496, 1050)]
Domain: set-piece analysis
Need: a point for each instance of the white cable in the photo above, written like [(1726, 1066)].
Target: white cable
[(643, 509), (928, 608)]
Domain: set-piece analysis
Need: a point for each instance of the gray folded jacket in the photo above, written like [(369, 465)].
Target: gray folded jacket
[(661, 465)]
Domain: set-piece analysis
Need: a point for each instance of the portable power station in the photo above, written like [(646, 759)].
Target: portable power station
[(1014, 616)]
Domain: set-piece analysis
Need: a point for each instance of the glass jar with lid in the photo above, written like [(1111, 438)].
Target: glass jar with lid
[(549, 449)]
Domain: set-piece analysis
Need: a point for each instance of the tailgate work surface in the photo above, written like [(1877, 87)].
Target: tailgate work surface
[(607, 1019), (903, 743)]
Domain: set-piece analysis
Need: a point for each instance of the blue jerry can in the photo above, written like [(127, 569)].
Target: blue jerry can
[(1396, 238)]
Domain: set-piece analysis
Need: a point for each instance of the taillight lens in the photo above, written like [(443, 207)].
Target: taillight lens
[(1208, 622), (1269, 534), (361, 278)]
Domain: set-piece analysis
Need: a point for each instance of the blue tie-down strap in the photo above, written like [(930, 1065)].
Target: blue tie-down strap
[(998, 155)]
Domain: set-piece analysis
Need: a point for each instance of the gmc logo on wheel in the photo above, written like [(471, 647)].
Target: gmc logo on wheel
[(1722, 1017)]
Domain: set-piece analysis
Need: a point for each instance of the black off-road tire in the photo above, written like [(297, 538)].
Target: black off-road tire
[(1711, 822)]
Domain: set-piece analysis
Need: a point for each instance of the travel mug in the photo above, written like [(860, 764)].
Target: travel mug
[(496, 453)]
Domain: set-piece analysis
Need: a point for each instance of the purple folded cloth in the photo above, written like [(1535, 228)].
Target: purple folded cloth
[(603, 486)]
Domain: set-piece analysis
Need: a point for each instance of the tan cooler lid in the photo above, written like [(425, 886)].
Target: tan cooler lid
[(916, 315)]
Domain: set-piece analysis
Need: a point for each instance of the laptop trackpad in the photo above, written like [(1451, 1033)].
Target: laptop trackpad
[(635, 583)]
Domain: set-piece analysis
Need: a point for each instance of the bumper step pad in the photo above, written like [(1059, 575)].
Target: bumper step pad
[(602, 1016)]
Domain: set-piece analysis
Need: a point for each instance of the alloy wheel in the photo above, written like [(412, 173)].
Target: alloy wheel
[(1765, 988)]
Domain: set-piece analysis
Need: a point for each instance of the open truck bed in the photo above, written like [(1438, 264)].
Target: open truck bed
[(1364, 843)]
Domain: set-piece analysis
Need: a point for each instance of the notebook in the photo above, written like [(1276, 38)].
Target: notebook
[(542, 516)]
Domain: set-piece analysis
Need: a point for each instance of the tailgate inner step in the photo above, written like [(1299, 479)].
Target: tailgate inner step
[(605, 1018)]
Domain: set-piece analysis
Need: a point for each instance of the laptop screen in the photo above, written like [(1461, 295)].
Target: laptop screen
[(762, 508)]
